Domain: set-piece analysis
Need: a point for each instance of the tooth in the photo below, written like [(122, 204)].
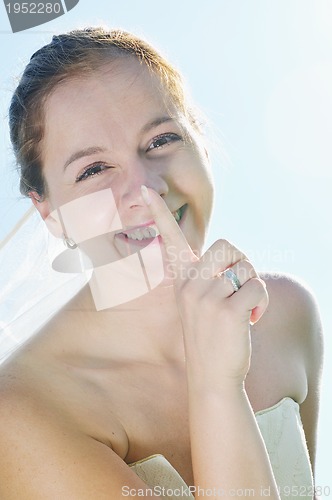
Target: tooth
[(150, 231), (139, 234), (143, 233), (146, 232), (154, 231)]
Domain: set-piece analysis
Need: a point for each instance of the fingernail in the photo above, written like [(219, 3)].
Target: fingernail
[(145, 194)]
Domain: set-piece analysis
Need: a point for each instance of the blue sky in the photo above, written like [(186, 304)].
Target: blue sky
[(261, 71)]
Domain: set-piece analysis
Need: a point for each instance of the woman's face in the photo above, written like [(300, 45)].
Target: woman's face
[(111, 133)]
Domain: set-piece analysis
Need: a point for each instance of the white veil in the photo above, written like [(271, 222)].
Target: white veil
[(31, 292)]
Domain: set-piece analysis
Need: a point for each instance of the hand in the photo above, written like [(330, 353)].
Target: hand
[(216, 320)]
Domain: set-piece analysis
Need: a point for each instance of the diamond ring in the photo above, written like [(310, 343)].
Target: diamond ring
[(230, 274)]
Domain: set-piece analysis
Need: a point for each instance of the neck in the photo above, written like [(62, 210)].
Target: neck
[(147, 329)]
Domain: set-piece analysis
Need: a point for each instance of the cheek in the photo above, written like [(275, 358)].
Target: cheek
[(88, 216), (193, 174), (205, 184)]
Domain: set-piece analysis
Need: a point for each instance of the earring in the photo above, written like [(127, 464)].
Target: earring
[(69, 242)]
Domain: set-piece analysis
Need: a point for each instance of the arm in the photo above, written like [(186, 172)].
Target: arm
[(228, 452), (45, 457)]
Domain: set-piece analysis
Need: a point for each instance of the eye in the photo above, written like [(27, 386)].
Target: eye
[(92, 171), (163, 140)]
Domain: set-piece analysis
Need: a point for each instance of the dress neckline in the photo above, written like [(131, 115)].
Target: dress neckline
[(276, 405), (257, 414)]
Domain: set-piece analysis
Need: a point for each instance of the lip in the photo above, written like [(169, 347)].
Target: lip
[(139, 244), (129, 229), (126, 246)]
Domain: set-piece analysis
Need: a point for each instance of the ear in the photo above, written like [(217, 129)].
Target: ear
[(43, 206), (47, 214)]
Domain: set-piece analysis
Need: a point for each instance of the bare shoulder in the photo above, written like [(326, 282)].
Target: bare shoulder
[(292, 307), (46, 453), (293, 314), (33, 388)]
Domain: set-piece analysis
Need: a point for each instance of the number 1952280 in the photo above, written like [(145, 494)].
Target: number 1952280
[(304, 491), (33, 8)]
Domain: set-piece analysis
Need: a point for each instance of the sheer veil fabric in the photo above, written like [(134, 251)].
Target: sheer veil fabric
[(31, 292)]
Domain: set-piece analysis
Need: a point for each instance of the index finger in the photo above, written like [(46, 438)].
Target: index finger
[(177, 247)]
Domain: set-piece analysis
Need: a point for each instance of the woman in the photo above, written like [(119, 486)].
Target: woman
[(153, 364)]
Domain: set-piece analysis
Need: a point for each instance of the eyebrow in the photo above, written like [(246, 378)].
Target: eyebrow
[(157, 121), (95, 149), (82, 153)]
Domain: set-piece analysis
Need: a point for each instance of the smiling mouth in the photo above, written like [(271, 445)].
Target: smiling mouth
[(151, 231)]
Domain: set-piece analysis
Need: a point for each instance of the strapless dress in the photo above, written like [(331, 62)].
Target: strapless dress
[(284, 438)]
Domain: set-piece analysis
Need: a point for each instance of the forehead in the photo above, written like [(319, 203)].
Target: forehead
[(122, 85), (109, 104)]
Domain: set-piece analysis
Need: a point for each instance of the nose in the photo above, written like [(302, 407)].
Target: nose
[(137, 174)]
